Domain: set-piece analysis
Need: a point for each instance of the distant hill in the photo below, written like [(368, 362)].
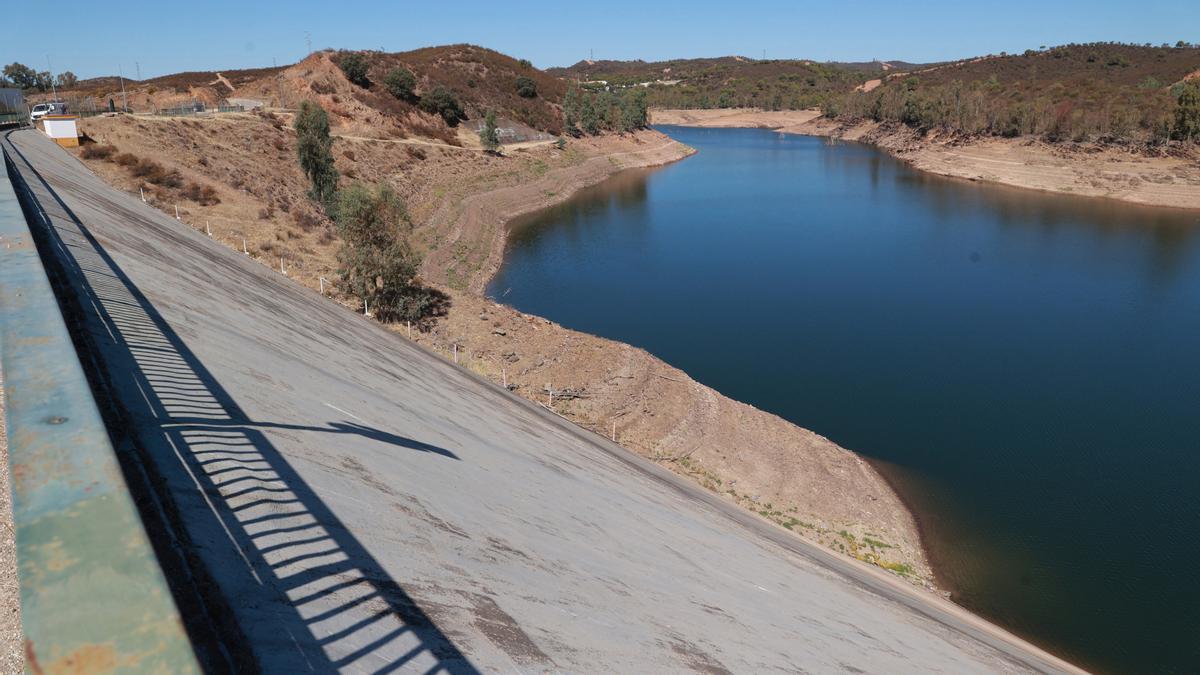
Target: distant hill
[(733, 81), (478, 79), (482, 79), (1099, 91)]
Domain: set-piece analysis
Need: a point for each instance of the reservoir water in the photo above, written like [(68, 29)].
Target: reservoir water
[(1024, 367)]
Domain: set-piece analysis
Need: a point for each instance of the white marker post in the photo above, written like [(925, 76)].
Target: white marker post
[(207, 229), (504, 377), (281, 269), (410, 330), (366, 311), (614, 434), (143, 194), (322, 280), (456, 352), (177, 212), (244, 249)]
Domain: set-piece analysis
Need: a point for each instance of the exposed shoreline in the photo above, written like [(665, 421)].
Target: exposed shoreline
[(764, 438), (557, 186), (1088, 171)]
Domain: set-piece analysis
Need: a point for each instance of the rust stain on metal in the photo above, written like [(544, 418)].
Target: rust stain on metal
[(31, 661), (86, 660)]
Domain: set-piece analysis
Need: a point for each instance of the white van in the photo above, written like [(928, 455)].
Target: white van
[(42, 109)]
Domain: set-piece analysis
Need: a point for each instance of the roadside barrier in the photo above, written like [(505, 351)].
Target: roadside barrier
[(92, 591)]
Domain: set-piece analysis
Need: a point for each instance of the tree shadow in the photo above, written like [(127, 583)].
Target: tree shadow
[(266, 576)]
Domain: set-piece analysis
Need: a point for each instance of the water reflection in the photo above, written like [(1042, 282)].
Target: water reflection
[(620, 200)]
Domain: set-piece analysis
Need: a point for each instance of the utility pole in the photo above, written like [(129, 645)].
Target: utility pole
[(53, 89), (139, 70), (124, 100), (279, 84), (308, 41)]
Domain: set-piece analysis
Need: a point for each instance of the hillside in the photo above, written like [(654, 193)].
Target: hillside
[(1081, 92), (478, 79), (730, 81)]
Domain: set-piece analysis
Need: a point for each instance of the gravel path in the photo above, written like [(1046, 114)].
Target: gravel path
[(10, 603)]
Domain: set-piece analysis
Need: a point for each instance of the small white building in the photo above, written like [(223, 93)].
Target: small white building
[(64, 129)]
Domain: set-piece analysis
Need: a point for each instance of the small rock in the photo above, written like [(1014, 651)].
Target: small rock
[(499, 331)]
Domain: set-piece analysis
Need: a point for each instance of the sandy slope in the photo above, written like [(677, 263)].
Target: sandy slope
[(1091, 172), (734, 117), (491, 211)]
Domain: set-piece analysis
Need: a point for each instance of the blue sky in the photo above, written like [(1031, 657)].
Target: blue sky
[(167, 37)]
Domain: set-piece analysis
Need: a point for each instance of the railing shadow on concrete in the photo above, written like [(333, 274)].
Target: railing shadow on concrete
[(298, 592)]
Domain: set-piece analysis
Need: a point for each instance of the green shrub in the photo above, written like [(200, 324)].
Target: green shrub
[(633, 110), (401, 83), (571, 110), (526, 87), (441, 102), (355, 67), (1187, 113), (488, 135), (314, 146), (377, 263)]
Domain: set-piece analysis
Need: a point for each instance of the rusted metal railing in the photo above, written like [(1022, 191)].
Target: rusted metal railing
[(93, 596)]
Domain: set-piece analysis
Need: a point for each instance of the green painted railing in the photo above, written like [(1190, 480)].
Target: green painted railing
[(93, 597)]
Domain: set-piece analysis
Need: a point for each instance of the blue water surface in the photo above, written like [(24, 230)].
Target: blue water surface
[(1024, 366)]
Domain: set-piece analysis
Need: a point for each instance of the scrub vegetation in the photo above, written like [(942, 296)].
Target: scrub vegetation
[(1103, 92), (591, 110), (727, 82), (376, 261)]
